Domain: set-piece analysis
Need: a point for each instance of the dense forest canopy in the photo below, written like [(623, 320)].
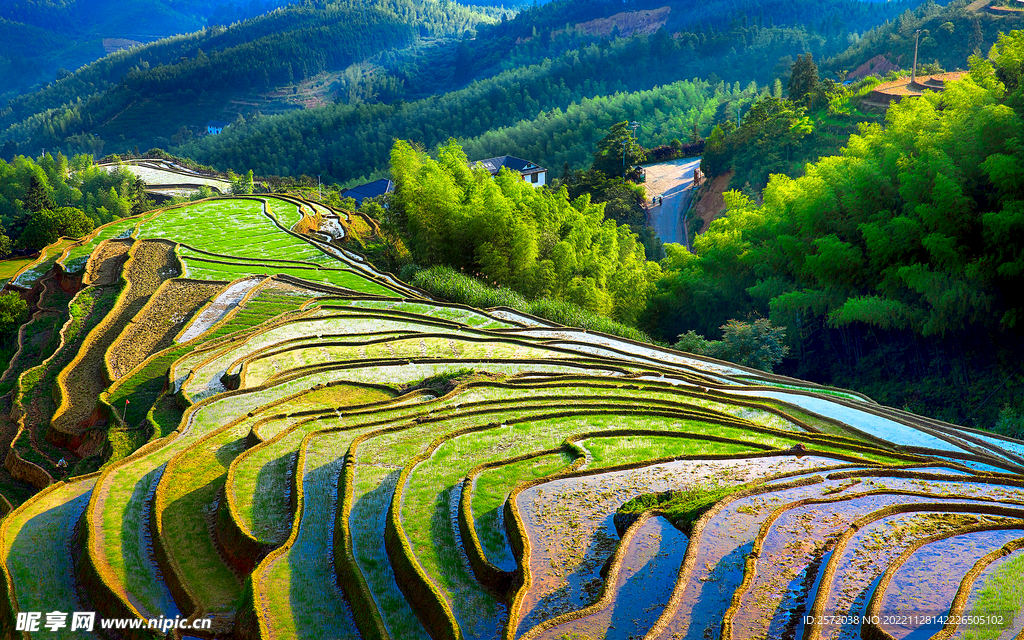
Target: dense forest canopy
[(201, 71), (44, 39), (898, 260), (393, 52), (74, 194), (512, 234)]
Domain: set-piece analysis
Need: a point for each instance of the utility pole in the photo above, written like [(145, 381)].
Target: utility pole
[(913, 72), (625, 143), (319, 195)]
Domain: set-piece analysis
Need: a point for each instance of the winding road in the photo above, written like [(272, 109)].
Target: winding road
[(672, 181)]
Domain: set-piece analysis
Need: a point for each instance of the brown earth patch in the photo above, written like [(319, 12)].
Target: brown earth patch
[(152, 262), (879, 66), (154, 328), (711, 202), (629, 23), (1005, 11), (902, 86), (104, 266), (110, 45)]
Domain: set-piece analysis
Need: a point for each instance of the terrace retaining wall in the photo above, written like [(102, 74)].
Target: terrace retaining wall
[(872, 631)]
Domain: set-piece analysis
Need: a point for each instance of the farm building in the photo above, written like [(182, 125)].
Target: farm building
[(531, 172), (369, 190)]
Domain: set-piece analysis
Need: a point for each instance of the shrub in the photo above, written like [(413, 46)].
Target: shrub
[(1010, 422), (682, 508), (758, 344), (12, 311), (46, 226), (462, 289)]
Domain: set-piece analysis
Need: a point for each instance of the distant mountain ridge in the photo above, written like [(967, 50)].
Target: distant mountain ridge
[(393, 51), (45, 37)]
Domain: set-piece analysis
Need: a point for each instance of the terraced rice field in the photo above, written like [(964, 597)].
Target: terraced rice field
[(267, 438), (161, 175)]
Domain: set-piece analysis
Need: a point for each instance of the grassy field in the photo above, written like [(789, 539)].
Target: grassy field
[(259, 488), (9, 267), (489, 492), (41, 265), (297, 590), (35, 551), (997, 593), (240, 229)]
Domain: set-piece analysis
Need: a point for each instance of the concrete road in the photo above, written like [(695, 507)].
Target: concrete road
[(672, 181)]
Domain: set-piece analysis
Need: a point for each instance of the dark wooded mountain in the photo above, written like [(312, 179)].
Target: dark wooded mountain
[(41, 40), (377, 61), (134, 97)]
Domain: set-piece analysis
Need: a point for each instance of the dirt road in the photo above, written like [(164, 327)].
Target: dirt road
[(672, 181)]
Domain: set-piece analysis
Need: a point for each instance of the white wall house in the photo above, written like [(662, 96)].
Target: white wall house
[(528, 171)]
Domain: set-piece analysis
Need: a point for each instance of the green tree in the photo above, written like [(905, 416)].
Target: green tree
[(48, 225), (1008, 56), (618, 151), (1010, 422), (756, 344), (13, 310), (242, 185), (803, 79), (538, 242), (140, 199), (5, 243), (37, 197)]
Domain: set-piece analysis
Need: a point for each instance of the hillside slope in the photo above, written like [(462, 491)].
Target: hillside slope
[(393, 52), (323, 451)]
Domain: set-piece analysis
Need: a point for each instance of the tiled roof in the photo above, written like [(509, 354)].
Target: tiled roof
[(369, 190), (513, 163)]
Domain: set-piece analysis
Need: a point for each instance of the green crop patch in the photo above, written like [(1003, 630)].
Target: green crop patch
[(34, 547), (10, 267), (241, 228), (682, 508), (633, 449), (258, 486), (33, 272), (489, 492)]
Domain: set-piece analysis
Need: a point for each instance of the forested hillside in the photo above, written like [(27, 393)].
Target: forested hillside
[(43, 39), (948, 36), (547, 84), (137, 96), (896, 267), (393, 52), (552, 111)]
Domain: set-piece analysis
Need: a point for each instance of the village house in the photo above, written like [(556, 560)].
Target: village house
[(528, 171), (369, 190)]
